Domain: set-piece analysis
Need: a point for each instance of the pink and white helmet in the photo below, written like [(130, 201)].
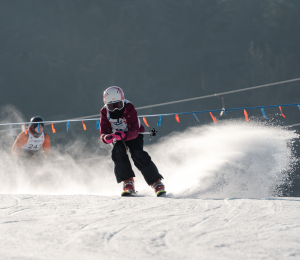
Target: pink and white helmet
[(113, 98)]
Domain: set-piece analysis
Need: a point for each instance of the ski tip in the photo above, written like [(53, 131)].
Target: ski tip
[(161, 193), (127, 193)]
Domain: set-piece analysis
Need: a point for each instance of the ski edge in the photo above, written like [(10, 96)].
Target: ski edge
[(127, 193), (161, 193)]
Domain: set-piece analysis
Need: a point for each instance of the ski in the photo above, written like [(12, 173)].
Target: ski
[(161, 193), (127, 193)]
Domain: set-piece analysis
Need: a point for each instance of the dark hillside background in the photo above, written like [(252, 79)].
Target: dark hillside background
[(57, 57)]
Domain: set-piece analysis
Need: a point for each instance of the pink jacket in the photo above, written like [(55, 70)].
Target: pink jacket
[(133, 123)]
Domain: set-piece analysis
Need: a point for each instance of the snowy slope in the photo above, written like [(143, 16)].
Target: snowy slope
[(222, 182), (98, 227)]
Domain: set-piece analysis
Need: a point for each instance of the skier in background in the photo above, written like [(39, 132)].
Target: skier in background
[(120, 126), (34, 144)]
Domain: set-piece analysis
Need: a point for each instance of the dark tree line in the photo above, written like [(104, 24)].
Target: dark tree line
[(57, 57)]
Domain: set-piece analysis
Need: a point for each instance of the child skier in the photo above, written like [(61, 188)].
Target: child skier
[(120, 126), (31, 144)]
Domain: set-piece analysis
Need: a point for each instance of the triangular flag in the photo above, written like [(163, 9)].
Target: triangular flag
[(145, 121), (84, 126), (281, 111), (159, 121), (97, 125), (264, 114), (25, 130), (177, 118), (213, 118), (196, 117), (68, 125), (38, 128), (53, 129), (246, 115)]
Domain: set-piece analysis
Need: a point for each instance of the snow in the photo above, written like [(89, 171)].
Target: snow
[(111, 227), (223, 182)]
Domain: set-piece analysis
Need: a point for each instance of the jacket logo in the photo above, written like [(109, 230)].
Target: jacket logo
[(121, 122), (117, 124)]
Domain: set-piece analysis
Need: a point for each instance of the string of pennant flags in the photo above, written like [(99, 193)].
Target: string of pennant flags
[(220, 110), (223, 110), (220, 95)]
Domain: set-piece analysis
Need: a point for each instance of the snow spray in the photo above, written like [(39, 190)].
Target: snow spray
[(227, 159)]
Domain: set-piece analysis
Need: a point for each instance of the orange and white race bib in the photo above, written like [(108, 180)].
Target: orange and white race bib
[(34, 143)]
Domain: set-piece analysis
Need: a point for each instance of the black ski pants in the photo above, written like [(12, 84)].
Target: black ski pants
[(141, 159)]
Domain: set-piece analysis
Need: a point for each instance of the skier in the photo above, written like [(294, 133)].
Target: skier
[(120, 126), (31, 144)]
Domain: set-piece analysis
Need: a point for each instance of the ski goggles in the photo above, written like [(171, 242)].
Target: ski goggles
[(36, 124), (115, 106)]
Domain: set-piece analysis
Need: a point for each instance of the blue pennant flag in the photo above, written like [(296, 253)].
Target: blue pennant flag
[(264, 114), (196, 117), (159, 121), (68, 125), (38, 128), (97, 125), (11, 130)]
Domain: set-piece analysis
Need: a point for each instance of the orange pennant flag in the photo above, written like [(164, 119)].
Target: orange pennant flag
[(53, 129), (177, 118), (84, 126), (281, 111), (246, 115), (213, 118), (25, 130), (145, 121)]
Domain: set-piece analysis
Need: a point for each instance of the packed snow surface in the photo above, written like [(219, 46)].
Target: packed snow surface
[(223, 182), (111, 227)]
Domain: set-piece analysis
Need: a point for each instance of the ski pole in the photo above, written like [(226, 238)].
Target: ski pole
[(152, 132)]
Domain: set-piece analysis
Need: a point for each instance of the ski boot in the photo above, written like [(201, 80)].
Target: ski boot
[(159, 188), (128, 188)]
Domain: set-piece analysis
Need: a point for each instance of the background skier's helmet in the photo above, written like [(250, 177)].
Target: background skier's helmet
[(35, 121), (113, 98)]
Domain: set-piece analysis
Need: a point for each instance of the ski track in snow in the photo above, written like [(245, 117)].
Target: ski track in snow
[(222, 182), (93, 227)]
